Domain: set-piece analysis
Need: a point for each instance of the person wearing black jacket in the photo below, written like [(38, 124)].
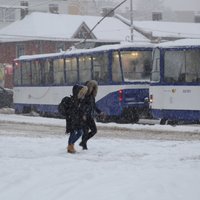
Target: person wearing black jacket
[(91, 109), (76, 116)]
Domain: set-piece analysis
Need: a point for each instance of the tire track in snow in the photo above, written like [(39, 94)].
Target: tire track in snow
[(16, 129)]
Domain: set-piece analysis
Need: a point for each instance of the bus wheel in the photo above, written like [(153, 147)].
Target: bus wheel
[(163, 121), (130, 116), (172, 122)]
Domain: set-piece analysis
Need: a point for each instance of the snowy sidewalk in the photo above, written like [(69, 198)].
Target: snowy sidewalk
[(40, 169), (61, 122)]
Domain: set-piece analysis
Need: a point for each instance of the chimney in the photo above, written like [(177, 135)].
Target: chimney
[(24, 9), (53, 8)]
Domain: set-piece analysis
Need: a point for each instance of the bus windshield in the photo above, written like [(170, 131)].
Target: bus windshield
[(182, 66)]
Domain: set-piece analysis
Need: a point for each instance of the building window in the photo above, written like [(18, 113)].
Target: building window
[(20, 50), (7, 14), (197, 19), (60, 47), (10, 15), (53, 8), (156, 16)]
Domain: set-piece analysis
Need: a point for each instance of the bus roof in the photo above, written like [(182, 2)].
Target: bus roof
[(182, 43), (74, 51)]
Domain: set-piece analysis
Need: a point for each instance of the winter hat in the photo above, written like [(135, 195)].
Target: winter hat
[(79, 91), (92, 87)]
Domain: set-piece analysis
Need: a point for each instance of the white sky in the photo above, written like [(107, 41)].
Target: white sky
[(174, 4), (183, 4)]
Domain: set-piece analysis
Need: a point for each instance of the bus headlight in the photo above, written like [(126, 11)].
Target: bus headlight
[(150, 98)]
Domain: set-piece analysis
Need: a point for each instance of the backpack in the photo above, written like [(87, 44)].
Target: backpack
[(64, 106)]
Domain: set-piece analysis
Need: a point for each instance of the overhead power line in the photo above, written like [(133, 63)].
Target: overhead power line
[(111, 11)]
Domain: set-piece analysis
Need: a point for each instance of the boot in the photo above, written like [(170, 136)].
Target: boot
[(84, 145), (70, 148)]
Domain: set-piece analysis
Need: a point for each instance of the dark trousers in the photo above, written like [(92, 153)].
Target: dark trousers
[(89, 130), (74, 136)]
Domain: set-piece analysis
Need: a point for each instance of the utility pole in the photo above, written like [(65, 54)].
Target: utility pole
[(131, 19)]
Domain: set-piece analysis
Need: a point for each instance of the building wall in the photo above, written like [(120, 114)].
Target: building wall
[(168, 15), (8, 52), (185, 16)]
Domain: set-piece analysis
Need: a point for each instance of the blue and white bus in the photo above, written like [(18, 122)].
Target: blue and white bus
[(175, 81), (122, 72)]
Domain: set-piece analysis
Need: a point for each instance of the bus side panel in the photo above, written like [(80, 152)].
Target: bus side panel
[(136, 97), (46, 99), (115, 102), (110, 104), (175, 102), (51, 110), (177, 115), (41, 95)]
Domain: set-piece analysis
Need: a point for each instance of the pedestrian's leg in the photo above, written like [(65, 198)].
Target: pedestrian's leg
[(70, 147), (83, 142), (85, 132), (93, 129), (74, 137), (77, 135), (87, 135)]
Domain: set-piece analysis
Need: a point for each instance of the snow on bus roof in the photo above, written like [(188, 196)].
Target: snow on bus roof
[(180, 43), (36, 56), (73, 50)]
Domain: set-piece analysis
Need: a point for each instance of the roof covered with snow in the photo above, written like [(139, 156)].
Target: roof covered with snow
[(47, 26), (181, 43), (170, 29), (164, 30)]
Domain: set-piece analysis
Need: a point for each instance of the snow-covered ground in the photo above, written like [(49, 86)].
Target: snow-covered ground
[(38, 168)]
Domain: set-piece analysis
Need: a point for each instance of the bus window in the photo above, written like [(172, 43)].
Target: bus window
[(174, 70), (85, 68), (17, 74), (71, 70), (48, 65), (155, 74), (46, 75), (58, 71), (116, 69), (100, 68), (26, 73), (136, 65), (192, 66), (182, 66), (35, 68), (42, 72)]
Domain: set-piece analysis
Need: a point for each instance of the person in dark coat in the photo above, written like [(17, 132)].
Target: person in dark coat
[(76, 117), (91, 109)]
